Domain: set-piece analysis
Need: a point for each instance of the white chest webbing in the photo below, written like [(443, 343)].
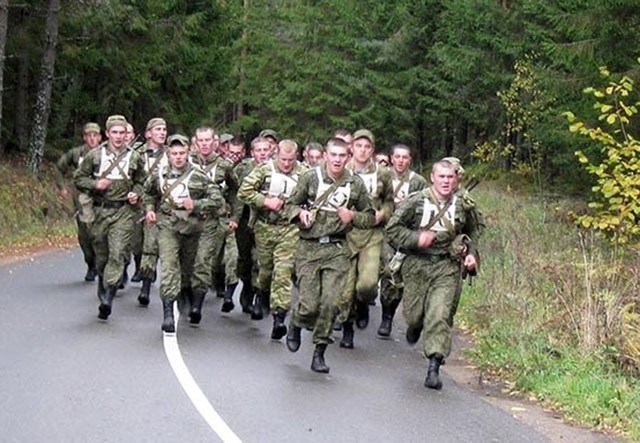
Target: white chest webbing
[(121, 171), (401, 190), (281, 184), (339, 197), (180, 192), (370, 181), (430, 210)]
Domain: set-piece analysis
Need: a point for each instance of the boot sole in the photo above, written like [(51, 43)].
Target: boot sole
[(104, 311), (278, 332), (321, 370), (144, 301), (194, 318), (227, 307)]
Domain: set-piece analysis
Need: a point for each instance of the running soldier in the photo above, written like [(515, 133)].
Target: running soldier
[(65, 167), (177, 199), (219, 228), (113, 175), (439, 232), (266, 189), (404, 182), (328, 202), (366, 244)]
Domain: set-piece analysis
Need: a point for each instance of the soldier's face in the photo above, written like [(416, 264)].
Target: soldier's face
[(336, 158), (362, 150), (92, 139), (178, 156), (235, 154), (400, 159), (223, 149), (313, 157), (157, 135), (261, 152), (445, 181), (286, 160), (129, 135), (206, 143), (116, 135)]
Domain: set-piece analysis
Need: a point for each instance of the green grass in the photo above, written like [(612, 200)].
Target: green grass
[(553, 310)]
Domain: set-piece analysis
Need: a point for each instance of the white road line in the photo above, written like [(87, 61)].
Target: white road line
[(191, 388)]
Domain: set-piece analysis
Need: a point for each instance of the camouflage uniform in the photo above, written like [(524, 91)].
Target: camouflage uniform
[(391, 282), (366, 245), (178, 230), (216, 228), (65, 167), (322, 257), (114, 216), (275, 236), (432, 276)]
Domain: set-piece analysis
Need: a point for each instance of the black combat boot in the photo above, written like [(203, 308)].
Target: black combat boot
[(104, 310), (227, 303), (168, 324), (101, 288), (246, 296), (388, 311), (218, 284), (185, 300), (143, 297), (293, 337), (91, 273), (266, 302), (413, 334), (279, 328), (256, 308), (362, 314), (433, 373), (318, 364), (195, 313), (347, 335), (137, 274), (125, 278)]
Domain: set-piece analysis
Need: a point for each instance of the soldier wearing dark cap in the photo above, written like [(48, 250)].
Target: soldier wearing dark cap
[(329, 201), (272, 137), (312, 154), (65, 167), (438, 230), (177, 199), (113, 176)]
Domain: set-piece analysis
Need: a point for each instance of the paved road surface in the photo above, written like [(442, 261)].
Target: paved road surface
[(65, 376)]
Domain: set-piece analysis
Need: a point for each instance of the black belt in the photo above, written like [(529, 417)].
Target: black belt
[(113, 204)]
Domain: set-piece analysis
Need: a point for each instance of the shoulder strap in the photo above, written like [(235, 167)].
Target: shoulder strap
[(326, 194), (440, 213), (166, 193), (115, 163)]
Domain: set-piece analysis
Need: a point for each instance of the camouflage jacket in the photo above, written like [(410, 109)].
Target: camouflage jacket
[(221, 172), (406, 184)]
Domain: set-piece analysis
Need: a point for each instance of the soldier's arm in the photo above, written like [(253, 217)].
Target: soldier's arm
[(399, 229), (138, 175), (249, 191), (299, 196), (63, 165), (150, 193), (474, 224), (212, 199), (83, 177), (386, 206)]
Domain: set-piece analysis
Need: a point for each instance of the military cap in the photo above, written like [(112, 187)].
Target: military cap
[(364, 133), (178, 139), (156, 121), (269, 133), (455, 161), (225, 138), (115, 120), (91, 127)]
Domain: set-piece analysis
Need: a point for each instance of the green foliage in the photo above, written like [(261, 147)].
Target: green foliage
[(616, 205)]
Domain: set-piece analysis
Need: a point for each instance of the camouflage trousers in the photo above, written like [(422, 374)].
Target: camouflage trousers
[(364, 271), (225, 252), (111, 232), (149, 260), (177, 256), (137, 239), (205, 253), (390, 288), (321, 271), (85, 240), (246, 264), (275, 249), (431, 288)]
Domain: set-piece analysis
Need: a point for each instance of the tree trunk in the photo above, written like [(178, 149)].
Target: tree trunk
[(240, 104), (42, 106), (21, 118), (4, 14)]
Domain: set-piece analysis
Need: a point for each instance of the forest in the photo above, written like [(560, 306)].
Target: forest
[(482, 80)]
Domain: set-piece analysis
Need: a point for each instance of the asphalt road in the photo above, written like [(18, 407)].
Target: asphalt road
[(65, 376)]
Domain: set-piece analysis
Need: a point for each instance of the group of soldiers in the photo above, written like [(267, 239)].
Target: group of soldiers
[(337, 228)]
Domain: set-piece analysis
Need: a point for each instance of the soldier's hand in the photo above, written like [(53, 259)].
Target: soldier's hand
[(273, 203), (425, 239), (470, 263), (306, 218), (64, 193), (379, 217), (132, 197), (103, 184), (150, 217), (346, 215), (233, 225), (188, 204)]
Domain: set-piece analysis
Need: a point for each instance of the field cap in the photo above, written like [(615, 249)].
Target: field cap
[(455, 161), (178, 139), (156, 121), (364, 133), (225, 138), (269, 133), (115, 120), (91, 127)]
